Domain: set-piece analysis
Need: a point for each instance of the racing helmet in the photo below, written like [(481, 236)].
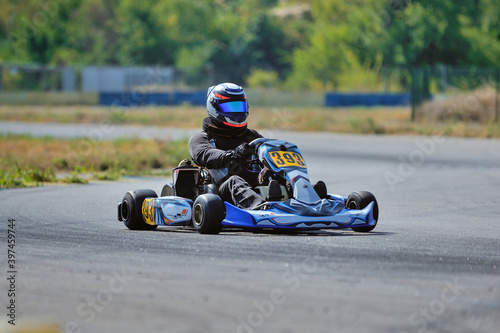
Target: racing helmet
[(227, 105)]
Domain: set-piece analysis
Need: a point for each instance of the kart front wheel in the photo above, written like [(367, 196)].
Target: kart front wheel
[(359, 200), (131, 209), (208, 213)]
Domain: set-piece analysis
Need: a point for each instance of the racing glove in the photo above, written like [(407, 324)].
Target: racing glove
[(238, 154), (241, 152)]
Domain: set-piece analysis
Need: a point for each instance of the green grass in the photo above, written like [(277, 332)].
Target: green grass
[(29, 161), (18, 177), (493, 130)]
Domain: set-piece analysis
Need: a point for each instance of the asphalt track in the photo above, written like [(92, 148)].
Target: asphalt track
[(431, 264)]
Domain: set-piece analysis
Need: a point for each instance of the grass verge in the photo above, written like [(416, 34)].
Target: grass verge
[(339, 120), (27, 161)]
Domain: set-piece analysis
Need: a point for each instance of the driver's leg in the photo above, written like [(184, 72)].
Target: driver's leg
[(237, 191)]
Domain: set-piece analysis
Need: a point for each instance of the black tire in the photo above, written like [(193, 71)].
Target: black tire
[(359, 200), (167, 190), (131, 209), (208, 213)]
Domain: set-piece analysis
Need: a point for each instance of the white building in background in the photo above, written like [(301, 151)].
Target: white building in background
[(100, 79)]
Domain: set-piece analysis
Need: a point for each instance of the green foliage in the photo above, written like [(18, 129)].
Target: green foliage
[(19, 177), (457, 33), (75, 176), (319, 65), (493, 130), (320, 47), (259, 78), (141, 37), (28, 161)]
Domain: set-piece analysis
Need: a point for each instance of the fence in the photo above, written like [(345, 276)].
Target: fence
[(170, 86), (37, 78), (95, 79), (471, 92), (138, 86), (366, 99)]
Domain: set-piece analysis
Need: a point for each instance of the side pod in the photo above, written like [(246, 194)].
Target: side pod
[(171, 210)]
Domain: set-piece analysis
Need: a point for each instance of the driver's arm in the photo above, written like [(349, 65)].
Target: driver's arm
[(203, 153)]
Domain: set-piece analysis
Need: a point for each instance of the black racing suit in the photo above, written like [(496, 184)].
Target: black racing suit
[(211, 148)]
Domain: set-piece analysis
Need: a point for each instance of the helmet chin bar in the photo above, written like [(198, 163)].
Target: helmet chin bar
[(229, 122), (235, 125)]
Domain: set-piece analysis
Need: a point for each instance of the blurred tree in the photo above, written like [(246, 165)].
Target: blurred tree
[(270, 45), (430, 32), (313, 43), (142, 39), (343, 36), (27, 32), (87, 32), (187, 26), (259, 78), (372, 34)]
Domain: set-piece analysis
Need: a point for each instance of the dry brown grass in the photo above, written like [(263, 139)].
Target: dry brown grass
[(340, 120), (287, 118), (183, 116), (102, 159), (476, 106), (133, 155)]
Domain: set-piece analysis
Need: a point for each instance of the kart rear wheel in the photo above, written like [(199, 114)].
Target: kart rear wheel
[(131, 209), (208, 213), (359, 200), (167, 190)]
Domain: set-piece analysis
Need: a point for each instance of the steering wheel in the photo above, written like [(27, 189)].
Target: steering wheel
[(253, 164)]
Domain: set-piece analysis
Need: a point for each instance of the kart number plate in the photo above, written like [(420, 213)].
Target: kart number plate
[(287, 159)]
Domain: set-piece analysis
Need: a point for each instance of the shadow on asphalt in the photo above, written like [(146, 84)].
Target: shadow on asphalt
[(275, 232)]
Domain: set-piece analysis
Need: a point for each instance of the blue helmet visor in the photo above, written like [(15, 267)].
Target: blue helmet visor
[(233, 107), (237, 117)]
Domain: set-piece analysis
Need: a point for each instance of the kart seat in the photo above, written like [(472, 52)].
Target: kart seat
[(186, 178)]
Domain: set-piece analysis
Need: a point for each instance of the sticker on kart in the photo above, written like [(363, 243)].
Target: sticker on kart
[(166, 211), (283, 159)]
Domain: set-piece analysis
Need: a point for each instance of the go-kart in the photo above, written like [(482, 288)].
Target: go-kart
[(192, 199)]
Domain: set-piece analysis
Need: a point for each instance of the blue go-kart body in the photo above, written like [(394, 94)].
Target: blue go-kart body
[(192, 199), (275, 218)]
